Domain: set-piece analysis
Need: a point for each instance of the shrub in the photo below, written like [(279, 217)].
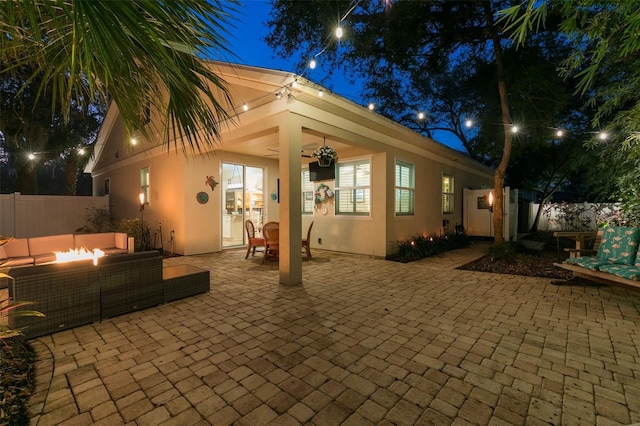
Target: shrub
[(423, 245)]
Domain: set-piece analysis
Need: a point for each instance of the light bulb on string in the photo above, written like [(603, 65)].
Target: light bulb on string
[(421, 115), (515, 129), (312, 63), (339, 32), (559, 133), (371, 106), (134, 141), (603, 136), (468, 123), (32, 156), (80, 151), (245, 106), (320, 93)]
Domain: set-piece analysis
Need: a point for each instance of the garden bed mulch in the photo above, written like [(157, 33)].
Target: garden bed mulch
[(17, 379)]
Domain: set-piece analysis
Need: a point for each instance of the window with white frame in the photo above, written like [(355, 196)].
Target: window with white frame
[(308, 193), (144, 183), (405, 188), (353, 188), (447, 193)]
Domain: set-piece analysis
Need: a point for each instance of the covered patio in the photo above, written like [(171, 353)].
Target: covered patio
[(361, 341)]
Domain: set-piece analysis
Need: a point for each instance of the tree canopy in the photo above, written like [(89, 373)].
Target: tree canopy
[(605, 66), (454, 63)]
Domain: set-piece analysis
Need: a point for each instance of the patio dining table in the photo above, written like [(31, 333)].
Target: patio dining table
[(580, 238)]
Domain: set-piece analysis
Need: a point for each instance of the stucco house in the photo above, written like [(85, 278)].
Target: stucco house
[(389, 182)]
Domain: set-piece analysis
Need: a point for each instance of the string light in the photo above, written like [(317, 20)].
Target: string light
[(81, 151), (339, 32), (245, 106), (603, 136), (515, 129), (134, 141), (32, 156), (468, 123), (559, 133), (312, 64), (320, 93), (421, 115), (371, 106)]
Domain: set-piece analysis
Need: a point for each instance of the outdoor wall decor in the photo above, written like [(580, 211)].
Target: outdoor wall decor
[(323, 193), (202, 197), (211, 182)]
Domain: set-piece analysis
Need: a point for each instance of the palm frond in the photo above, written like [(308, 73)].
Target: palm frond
[(134, 52)]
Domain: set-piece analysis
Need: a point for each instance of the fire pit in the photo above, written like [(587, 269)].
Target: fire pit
[(75, 255)]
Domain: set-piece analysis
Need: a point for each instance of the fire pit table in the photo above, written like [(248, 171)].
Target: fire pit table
[(77, 293)]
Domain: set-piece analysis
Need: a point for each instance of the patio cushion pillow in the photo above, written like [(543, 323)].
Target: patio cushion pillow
[(592, 263), (619, 244), (624, 271)]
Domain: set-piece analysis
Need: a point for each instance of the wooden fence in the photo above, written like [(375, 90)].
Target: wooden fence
[(25, 216)]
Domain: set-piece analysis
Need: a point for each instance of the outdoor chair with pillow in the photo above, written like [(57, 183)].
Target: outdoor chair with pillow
[(271, 232), (306, 242), (252, 240)]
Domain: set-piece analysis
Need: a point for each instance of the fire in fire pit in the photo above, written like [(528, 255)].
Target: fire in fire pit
[(78, 254)]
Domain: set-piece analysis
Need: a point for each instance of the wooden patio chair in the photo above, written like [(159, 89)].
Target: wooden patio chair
[(306, 242), (271, 232), (252, 240)]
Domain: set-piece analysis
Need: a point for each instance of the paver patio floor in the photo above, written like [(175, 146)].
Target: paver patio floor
[(362, 341)]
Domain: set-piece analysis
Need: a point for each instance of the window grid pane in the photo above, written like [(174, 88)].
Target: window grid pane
[(144, 184), (307, 193), (405, 188), (447, 193), (353, 193)]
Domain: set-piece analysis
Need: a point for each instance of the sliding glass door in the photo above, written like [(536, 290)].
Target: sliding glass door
[(242, 188)]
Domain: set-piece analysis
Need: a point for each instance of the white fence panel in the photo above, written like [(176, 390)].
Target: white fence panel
[(25, 216), (572, 216)]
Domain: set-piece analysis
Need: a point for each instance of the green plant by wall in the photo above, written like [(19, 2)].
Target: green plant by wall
[(422, 246)]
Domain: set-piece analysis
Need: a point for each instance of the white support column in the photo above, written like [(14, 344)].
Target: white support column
[(290, 140)]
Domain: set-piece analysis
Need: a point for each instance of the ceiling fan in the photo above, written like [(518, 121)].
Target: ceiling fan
[(276, 152)]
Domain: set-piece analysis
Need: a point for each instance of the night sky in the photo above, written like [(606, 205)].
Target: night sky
[(245, 38)]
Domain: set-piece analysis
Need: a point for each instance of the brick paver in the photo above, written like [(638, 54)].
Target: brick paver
[(362, 341)]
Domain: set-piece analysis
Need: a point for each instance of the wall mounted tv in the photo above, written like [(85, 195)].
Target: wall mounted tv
[(317, 173)]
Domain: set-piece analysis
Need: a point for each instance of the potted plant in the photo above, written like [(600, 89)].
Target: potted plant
[(325, 155)]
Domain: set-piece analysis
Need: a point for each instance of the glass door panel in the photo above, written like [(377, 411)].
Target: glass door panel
[(242, 192)]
